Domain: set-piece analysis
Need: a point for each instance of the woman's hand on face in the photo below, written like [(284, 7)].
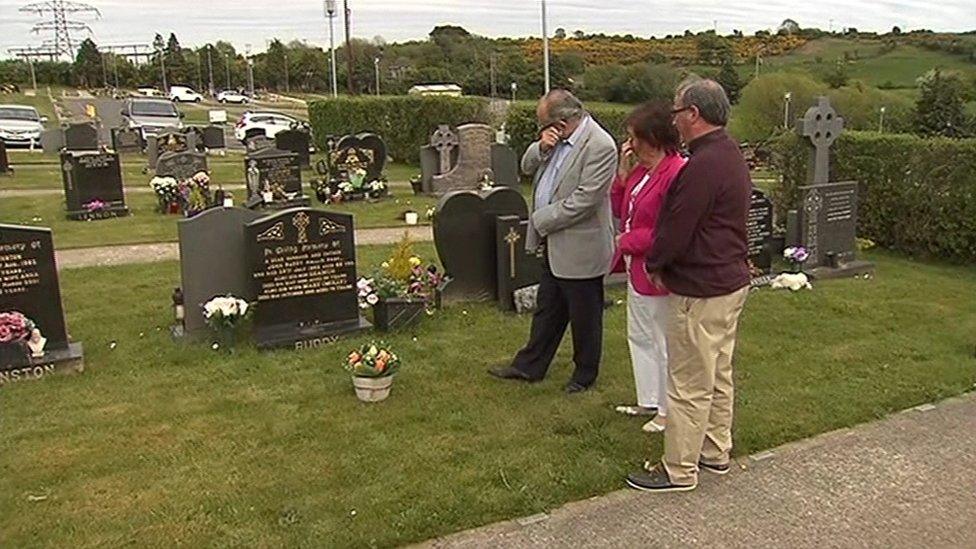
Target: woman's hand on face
[(627, 159)]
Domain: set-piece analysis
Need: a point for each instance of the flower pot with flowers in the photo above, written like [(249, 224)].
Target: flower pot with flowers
[(372, 367), (224, 315), (796, 279), (16, 332), (402, 291)]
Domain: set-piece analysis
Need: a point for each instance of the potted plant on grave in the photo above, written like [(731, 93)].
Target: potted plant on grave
[(402, 290), (167, 194), (372, 367), (796, 279), (15, 331), (224, 315)]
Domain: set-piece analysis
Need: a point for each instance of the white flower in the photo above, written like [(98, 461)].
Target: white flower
[(791, 281), (372, 299), (373, 351)]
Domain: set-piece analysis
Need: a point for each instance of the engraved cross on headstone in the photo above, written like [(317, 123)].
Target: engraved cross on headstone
[(512, 239), (300, 222), (822, 126), (444, 141)]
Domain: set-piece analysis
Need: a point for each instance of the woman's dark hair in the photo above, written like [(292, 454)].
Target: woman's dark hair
[(653, 123)]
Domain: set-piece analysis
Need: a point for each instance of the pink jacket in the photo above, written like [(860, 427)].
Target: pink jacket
[(637, 242)]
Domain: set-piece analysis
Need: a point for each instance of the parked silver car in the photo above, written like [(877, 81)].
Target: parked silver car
[(20, 125), (151, 116)]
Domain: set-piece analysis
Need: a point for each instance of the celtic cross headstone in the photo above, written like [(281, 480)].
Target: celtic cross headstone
[(444, 141)]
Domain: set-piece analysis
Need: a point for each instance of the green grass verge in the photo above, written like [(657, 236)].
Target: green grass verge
[(160, 443)]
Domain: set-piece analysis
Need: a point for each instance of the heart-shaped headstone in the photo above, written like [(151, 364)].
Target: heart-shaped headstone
[(366, 150), (464, 235)]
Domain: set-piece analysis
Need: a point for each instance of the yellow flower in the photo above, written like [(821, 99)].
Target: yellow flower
[(385, 265), (415, 261)]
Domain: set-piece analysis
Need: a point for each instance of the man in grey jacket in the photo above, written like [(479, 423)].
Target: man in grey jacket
[(574, 162)]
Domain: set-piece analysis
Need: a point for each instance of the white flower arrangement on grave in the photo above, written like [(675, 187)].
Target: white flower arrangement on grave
[(366, 292), (167, 189), (791, 281), (224, 314)]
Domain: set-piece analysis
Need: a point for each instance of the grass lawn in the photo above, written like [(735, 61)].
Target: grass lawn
[(161, 443)]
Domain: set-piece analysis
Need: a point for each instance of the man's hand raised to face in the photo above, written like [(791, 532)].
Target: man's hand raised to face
[(549, 137)]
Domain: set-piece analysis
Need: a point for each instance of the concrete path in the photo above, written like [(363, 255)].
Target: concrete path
[(906, 481), (170, 251)]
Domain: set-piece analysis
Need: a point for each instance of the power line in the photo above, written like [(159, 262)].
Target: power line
[(57, 12)]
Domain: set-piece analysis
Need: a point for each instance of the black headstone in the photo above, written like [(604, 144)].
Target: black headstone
[(296, 141), (181, 165), (759, 231), (504, 165), (29, 285), (828, 223), (126, 140), (517, 268), (303, 274), (366, 151), (213, 138), (81, 137), (90, 177), (213, 261), (464, 235), (277, 169), (4, 161)]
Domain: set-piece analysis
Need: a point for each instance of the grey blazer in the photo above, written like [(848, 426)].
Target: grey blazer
[(577, 223)]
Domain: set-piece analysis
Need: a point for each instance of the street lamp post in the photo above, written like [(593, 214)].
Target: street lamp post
[(210, 68), (514, 89), (330, 13), (881, 120), (545, 46), (787, 97), (158, 43), (250, 69), (376, 69)]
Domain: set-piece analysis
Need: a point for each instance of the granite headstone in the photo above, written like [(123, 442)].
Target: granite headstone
[(90, 178), (517, 267), (296, 141), (81, 137), (302, 264), (181, 165)]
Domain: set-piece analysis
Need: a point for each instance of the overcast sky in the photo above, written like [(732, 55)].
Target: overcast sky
[(255, 22)]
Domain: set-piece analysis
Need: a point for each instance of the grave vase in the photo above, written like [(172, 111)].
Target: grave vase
[(391, 314), (226, 339), (14, 353), (372, 389)]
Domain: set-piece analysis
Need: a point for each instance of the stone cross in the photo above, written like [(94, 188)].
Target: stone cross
[(67, 167), (512, 239), (822, 126), (444, 141)]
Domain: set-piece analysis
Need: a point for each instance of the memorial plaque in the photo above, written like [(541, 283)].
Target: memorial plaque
[(29, 285), (464, 235), (278, 171), (4, 161), (759, 230), (126, 140), (90, 178), (81, 137), (213, 261), (517, 268), (213, 138), (303, 274), (296, 141), (181, 165)]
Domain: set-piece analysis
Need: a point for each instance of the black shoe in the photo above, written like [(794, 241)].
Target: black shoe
[(656, 480), (510, 372), (572, 388), (715, 469)]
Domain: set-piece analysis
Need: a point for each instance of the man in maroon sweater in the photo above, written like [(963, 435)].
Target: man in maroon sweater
[(700, 255)]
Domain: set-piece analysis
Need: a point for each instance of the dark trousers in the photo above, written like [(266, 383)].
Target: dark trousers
[(561, 301)]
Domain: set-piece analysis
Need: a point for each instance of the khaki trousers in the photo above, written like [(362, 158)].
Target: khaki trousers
[(701, 339)]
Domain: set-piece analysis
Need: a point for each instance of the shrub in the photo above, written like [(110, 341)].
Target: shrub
[(917, 195), (860, 106), (404, 122), (759, 114)]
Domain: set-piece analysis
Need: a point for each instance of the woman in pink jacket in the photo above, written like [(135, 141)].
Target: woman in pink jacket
[(649, 163)]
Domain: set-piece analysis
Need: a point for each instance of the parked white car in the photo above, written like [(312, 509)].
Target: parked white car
[(233, 96), (268, 124), (184, 94), (20, 125)]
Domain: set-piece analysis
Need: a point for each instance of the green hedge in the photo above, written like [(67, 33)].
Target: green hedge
[(917, 195), (523, 129), (404, 122)]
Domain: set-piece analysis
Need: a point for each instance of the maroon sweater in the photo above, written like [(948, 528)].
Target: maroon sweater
[(701, 247)]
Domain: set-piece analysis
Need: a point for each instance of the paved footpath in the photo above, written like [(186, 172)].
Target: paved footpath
[(905, 481), (170, 251)]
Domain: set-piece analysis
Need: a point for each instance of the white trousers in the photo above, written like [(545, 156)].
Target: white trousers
[(646, 325)]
